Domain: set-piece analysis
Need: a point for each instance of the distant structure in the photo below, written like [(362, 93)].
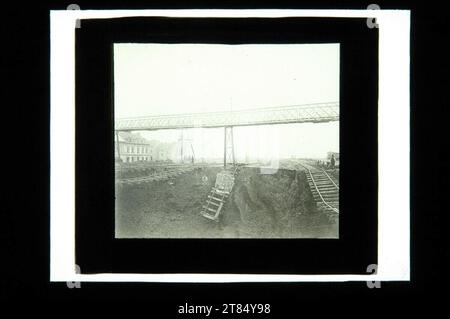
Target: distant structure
[(162, 151), (336, 158), (132, 147)]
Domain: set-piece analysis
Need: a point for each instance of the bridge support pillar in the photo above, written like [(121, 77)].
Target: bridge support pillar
[(118, 146), (228, 152), (181, 140)]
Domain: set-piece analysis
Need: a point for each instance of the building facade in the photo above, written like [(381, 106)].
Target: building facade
[(131, 147)]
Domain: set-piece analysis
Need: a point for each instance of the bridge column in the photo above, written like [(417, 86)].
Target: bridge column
[(182, 145), (228, 151), (118, 146)]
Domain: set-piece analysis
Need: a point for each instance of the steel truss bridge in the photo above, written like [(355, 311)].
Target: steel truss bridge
[(306, 113), (309, 113)]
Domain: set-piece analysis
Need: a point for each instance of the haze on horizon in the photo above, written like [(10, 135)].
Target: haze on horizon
[(160, 79)]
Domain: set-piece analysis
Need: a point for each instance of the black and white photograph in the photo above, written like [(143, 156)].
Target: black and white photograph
[(224, 159), (226, 141)]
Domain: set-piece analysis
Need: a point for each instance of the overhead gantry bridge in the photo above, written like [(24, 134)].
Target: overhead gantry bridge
[(310, 113), (306, 113)]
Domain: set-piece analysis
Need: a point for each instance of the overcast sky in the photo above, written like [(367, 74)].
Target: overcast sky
[(158, 79)]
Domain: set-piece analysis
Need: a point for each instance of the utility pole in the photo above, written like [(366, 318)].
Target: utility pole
[(182, 142), (118, 145)]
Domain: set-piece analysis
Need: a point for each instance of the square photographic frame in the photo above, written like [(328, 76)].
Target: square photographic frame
[(95, 255)]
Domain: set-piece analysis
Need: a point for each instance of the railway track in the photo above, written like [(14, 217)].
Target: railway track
[(159, 176), (323, 188), (143, 167)]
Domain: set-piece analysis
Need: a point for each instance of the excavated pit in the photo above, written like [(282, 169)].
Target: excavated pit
[(278, 205)]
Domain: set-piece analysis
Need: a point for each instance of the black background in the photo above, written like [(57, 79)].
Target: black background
[(356, 248), (26, 234)]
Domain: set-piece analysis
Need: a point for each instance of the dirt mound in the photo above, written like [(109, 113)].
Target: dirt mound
[(168, 208), (278, 205), (271, 205)]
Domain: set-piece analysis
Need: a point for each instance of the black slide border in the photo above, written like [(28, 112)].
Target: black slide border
[(96, 248)]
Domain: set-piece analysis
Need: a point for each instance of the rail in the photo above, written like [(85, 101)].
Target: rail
[(331, 180), (334, 209)]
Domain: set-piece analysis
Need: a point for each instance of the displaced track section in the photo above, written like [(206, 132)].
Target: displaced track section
[(324, 189)]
